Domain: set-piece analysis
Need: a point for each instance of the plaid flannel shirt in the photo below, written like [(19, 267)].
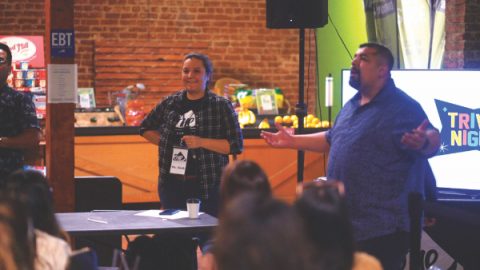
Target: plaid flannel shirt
[(216, 119)]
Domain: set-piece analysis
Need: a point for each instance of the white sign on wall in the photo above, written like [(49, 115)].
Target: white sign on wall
[(62, 83)]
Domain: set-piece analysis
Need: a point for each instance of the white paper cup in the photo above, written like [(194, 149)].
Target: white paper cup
[(193, 207)]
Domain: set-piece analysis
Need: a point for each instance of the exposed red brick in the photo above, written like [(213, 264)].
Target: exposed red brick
[(240, 44), (455, 34)]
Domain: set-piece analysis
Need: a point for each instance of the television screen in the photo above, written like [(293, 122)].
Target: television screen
[(451, 100)]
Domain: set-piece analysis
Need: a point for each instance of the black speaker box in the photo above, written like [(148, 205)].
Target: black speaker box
[(297, 13)]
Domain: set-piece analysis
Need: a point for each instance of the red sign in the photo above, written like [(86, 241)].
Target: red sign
[(26, 48)]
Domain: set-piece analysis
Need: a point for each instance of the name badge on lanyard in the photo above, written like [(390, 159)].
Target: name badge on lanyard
[(179, 160)]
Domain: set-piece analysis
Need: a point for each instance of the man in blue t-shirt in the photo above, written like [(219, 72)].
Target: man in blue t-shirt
[(19, 128), (378, 147)]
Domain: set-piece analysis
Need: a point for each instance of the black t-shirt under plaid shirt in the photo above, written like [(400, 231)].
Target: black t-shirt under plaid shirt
[(215, 119), (187, 125)]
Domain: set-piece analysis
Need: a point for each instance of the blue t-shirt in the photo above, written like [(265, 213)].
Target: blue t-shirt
[(377, 170)]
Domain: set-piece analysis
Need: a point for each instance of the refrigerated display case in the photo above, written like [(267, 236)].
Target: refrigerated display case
[(30, 77), (28, 68)]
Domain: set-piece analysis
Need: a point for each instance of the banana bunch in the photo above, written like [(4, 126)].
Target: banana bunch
[(264, 123), (246, 117)]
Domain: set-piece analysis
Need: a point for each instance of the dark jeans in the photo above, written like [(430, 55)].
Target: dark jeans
[(175, 192), (389, 249)]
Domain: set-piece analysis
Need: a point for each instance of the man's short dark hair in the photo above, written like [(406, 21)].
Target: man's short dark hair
[(383, 51), (5, 48)]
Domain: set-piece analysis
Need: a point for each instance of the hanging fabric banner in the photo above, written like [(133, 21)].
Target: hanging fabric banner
[(438, 40), (414, 30), (382, 24)]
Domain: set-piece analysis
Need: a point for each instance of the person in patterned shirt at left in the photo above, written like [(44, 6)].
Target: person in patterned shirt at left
[(19, 128)]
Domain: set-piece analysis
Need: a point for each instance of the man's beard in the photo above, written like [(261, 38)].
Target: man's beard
[(355, 82)]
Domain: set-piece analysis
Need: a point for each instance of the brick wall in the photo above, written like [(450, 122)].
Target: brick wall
[(462, 34), (472, 34), (25, 17), (455, 34), (240, 45)]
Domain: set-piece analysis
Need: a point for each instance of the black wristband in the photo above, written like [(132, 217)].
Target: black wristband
[(425, 145)]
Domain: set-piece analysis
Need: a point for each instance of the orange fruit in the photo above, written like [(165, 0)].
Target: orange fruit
[(287, 120), (278, 119)]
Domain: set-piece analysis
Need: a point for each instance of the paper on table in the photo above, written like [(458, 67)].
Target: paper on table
[(156, 214)]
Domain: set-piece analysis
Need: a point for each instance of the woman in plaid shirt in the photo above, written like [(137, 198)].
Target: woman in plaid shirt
[(195, 131)]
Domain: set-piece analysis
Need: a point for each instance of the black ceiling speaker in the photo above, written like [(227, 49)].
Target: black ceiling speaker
[(297, 13)]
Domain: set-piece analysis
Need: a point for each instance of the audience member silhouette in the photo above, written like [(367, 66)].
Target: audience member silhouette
[(31, 188), (16, 236), (238, 177), (7, 242), (260, 233), (243, 176), (327, 224)]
